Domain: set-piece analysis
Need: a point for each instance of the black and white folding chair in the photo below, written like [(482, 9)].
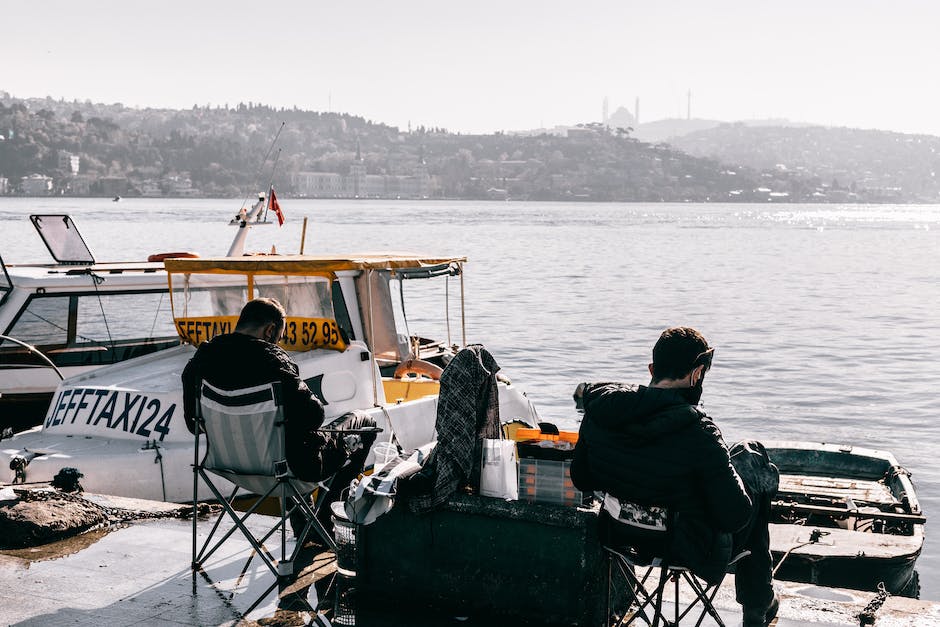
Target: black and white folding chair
[(647, 578), (245, 444)]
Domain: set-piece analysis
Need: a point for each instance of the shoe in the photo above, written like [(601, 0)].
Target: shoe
[(761, 617)]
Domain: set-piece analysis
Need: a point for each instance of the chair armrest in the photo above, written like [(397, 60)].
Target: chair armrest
[(360, 430)]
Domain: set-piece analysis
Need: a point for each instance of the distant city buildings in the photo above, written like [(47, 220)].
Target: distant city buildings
[(68, 162), (36, 185), (358, 183)]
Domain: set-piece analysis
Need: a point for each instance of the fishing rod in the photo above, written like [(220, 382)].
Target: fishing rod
[(265, 160), (267, 205)]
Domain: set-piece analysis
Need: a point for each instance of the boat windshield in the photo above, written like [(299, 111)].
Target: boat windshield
[(206, 305), (5, 283)]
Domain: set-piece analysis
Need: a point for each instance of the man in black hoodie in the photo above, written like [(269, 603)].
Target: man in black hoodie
[(250, 356), (664, 461)]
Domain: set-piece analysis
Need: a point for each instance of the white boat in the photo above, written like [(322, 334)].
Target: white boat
[(122, 426), (74, 315)]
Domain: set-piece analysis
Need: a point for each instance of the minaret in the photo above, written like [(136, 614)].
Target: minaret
[(421, 175), (636, 112), (688, 110), (357, 173), (604, 113)]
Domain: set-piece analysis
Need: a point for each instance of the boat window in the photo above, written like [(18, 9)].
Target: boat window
[(44, 322), (210, 304), (110, 318), (341, 311), (93, 329), (61, 237), (5, 283), (389, 344), (304, 296), (426, 308), (201, 301)]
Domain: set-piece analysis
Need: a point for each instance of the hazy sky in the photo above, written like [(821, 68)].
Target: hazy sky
[(491, 65)]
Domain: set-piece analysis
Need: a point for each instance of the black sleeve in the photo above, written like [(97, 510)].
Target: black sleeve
[(190, 378), (581, 475), (304, 412)]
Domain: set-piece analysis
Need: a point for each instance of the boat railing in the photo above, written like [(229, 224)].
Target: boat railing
[(859, 513)]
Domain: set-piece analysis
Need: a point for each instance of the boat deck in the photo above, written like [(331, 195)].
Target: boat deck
[(859, 490)]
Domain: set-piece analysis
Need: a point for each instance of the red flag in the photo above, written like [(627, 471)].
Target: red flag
[(276, 208)]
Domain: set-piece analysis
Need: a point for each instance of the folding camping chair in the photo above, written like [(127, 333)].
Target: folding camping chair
[(647, 578), (245, 445)]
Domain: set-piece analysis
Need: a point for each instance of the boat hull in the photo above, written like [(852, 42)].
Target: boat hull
[(852, 567)]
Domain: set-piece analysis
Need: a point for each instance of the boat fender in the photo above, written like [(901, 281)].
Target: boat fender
[(178, 255), (418, 367)]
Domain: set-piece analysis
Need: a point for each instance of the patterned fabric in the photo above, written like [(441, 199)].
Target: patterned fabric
[(467, 412), (643, 516)]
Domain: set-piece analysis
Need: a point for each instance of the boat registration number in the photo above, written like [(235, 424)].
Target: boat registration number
[(300, 334), (137, 414)]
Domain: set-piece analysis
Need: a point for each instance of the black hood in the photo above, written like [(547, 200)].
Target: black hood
[(638, 411)]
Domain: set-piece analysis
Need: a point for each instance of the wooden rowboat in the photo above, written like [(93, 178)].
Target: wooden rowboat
[(846, 517)]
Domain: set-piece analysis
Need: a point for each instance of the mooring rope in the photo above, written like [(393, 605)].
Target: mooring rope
[(814, 537)]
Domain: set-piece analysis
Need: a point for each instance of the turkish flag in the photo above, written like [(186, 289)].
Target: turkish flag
[(276, 208)]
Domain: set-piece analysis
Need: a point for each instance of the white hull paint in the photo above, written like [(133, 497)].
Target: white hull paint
[(122, 426)]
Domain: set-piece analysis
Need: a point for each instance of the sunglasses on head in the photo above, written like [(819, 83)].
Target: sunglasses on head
[(704, 359)]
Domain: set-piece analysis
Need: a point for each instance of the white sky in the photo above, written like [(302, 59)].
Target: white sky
[(486, 65)]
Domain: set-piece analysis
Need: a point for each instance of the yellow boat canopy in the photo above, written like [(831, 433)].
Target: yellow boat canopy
[(305, 264)]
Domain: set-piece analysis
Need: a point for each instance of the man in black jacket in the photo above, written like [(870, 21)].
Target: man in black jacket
[(664, 461), (250, 356)]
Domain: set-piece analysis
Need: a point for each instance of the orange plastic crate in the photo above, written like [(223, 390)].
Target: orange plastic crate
[(523, 435)]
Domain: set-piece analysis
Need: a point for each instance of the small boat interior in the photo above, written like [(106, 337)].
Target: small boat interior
[(843, 489)]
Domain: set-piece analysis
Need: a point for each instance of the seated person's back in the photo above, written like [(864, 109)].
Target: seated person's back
[(653, 447)]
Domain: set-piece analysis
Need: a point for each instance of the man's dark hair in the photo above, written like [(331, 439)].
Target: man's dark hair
[(677, 352), (259, 312)]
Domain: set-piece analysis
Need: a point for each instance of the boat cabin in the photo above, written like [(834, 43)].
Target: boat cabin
[(332, 303), (67, 317)]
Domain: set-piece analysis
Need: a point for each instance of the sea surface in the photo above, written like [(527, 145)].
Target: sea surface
[(826, 318)]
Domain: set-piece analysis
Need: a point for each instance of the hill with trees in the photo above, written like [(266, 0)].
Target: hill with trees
[(82, 148), (843, 163)]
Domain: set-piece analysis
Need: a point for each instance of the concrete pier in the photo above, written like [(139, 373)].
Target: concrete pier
[(139, 574)]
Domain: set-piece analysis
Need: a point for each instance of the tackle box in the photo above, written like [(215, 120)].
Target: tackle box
[(545, 475)]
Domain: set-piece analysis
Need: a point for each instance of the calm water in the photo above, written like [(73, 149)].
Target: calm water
[(825, 317)]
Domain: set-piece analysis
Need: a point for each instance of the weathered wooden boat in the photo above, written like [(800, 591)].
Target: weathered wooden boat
[(845, 516)]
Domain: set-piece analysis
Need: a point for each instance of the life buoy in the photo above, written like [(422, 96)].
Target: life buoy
[(162, 256), (418, 367)]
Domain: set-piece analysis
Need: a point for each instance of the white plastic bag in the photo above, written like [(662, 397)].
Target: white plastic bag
[(499, 472)]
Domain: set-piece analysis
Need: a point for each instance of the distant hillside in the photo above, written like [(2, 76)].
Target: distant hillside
[(667, 129), (888, 166), (57, 147), (81, 148)]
